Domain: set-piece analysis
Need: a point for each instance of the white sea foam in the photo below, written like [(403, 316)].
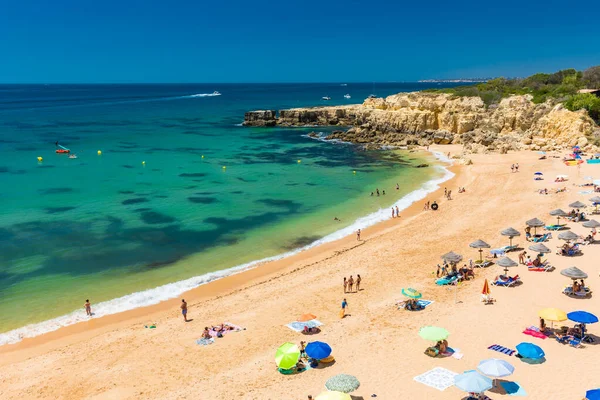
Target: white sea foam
[(173, 290), (201, 95)]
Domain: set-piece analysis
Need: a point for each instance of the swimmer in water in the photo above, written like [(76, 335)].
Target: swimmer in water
[(336, 219)]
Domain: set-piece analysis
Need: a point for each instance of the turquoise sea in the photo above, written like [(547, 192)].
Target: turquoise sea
[(179, 195)]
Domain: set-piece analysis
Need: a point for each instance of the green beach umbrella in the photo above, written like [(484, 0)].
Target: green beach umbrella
[(412, 293), (287, 355), (433, 333)]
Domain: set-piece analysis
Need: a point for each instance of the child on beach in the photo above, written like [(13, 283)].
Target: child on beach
[(88, 308)]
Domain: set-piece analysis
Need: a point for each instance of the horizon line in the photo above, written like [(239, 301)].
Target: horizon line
[(447, 80)]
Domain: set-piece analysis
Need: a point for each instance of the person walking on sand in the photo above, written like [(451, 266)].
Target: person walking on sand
[(358, 234), (344, 306), (345, 284), (445, 192), (350, 283), (358, 279), (88, 308), (184, 310)]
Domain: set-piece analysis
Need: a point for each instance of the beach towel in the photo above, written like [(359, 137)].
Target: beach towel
[(424, 303), (299, 326), (456, 353), (236, 328), (205, 342), (153, 326), (513, 388), (534, 333), (586, 191), (502, 349), (438, 378)]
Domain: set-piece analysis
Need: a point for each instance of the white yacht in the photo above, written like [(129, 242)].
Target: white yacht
[(326, 98), (347, 96)]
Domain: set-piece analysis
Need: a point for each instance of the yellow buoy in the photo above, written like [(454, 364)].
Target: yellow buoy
[(224, 167), (99, 152), (40, 159), (354, 172), (299, 161), (202, 155), (143, 162)]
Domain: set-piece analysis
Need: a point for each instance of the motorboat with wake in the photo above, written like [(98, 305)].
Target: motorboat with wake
[(347, 96)]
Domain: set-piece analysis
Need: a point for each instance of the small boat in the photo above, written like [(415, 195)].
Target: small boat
[(72, 155), (347, 96), (326, 98), (63, 151), (215, 93)]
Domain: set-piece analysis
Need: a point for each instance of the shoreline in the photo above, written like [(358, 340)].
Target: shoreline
[(373, 223)]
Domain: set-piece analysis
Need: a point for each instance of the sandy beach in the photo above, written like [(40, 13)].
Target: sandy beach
[(115, 357)]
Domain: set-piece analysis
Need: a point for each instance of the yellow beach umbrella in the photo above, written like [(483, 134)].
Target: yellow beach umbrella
[(553, 314), (333, 396)]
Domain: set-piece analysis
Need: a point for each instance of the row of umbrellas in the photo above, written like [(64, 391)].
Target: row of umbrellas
[(557, 315), (288, 354)]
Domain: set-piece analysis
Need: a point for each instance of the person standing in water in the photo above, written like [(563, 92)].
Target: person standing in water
[(377, 191), (184, 310), (358, 234), (397, 187), (397, 212), (88, 308), (393, 211)]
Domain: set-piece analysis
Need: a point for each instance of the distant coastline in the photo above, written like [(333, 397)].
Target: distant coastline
[(462, 80)]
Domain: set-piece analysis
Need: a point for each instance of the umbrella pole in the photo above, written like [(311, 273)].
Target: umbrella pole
[(510, 240), (480, 254), (557, 220)]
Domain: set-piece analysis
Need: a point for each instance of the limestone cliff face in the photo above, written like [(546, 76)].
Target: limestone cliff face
[(424, 118)]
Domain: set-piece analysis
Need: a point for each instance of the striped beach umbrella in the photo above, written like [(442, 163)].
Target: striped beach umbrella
[(412, 293)]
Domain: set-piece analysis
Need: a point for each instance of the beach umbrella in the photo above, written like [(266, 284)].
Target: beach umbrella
[(530, 350), (333, 396), (452, 257), (595, 199), (473, 382), (574, 273), (511, 233), (535, 223), (318, 350), (506, 263), (583, 317), (307, 317), (539, 248), (567, 236), (495, 368), (412, 293), (558, 213), (486, 288), (287, 355), (577, 204), (480, 244), (592, 223), (592, 394), (433, 333), (553, 314), (342, 383)]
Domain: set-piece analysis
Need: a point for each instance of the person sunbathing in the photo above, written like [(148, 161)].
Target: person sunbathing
[(206, 333), (443, 346)]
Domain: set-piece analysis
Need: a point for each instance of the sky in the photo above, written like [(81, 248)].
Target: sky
[(131, 41)]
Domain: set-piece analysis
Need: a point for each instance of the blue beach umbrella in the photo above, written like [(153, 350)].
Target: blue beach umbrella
[(530, 350), (583, 317), (593, 394), (318, 350), (473, 382)]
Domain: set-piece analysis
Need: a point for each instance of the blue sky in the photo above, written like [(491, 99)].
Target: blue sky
[(90, 41)]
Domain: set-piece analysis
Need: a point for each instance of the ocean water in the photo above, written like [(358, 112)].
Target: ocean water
[(181, 194)]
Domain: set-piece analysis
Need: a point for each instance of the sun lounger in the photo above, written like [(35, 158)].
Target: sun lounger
[(510, 281), (542, 238), (446, 280), (482, 264), (553, 227), (503, 250), (487, 299), (544, 267), (582, 293)]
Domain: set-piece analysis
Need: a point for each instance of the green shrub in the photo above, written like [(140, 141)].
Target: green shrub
[(586, 101)]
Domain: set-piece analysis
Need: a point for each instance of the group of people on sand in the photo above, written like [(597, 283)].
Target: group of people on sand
[(219, 330), (514, 167), (349, 284), (575, 215), (451, 270), (447, 194)]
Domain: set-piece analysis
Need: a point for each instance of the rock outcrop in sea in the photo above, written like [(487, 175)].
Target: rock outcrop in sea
[(422, 118)]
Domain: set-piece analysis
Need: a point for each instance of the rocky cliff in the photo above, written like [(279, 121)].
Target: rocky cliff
[(423, 118)]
